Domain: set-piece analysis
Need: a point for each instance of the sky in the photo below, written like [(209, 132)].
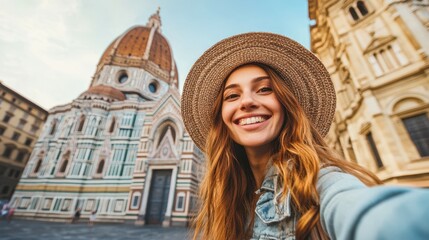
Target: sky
[(49, 49)]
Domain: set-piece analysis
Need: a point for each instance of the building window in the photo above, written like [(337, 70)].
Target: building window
[(64, 166), (17, 174), (418, 129), (135, 200), (2, 130), (374, 150), (28, 141), (180, 203), (66, 205), (5, 190), (100, 167), (91, 129), (358, 10), (34, 203), (81, 123), (8, 151), (120, 164), (7, 118), (351, 151), (128, 120), (362, 8), (47, 204), (57, 204), (387, 59), (53, 127), (11, 172), (353, 13), (112, 125), (38, 164), (123, 77), (16, 136), (21, 123), (98, 129), (153, 86), (34, 128), (21, 155)]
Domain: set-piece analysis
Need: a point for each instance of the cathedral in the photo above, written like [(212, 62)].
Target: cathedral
[(377, 53), (120, 148)]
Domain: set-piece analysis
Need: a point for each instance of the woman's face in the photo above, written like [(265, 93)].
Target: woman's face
[(250, 108)]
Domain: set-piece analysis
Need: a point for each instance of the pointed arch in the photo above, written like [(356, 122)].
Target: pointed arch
[(38, 164), (163, 128), (64, 166), (112, 125), (65, 162), (100, 167), (81, 123), (53, 127), (157, 126), (164, 131)]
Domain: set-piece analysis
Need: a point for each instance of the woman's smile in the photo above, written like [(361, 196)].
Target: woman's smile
[(252, 120)]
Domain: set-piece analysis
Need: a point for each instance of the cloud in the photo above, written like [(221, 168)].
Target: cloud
[(38, 41)]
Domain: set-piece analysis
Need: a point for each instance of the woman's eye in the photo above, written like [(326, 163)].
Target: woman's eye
[(265, 90), (230, 97)]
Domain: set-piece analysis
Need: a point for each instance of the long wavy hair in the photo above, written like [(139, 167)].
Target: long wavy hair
[(227, 199)]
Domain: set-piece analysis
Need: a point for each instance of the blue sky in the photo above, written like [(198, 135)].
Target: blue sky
[(49, 48)]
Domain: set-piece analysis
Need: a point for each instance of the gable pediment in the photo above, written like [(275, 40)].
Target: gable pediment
[(377, 43), (168, 105)]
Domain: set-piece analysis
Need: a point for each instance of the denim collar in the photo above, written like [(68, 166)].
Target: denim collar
[(270, 207)]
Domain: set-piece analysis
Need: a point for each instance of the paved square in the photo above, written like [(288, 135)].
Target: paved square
[(31, 229)]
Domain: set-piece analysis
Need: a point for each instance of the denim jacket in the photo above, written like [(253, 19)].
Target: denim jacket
[(274, 219), (348, 209)]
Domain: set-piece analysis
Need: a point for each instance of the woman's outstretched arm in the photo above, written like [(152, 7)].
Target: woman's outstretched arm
[(350, 210)]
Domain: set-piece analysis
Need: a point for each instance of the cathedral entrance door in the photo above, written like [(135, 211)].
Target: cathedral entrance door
[(158, 196)]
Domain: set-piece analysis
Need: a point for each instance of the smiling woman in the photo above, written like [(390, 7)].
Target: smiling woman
[(250, 109), (270, 174)]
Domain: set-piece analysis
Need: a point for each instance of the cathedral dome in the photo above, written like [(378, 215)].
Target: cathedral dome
[(143, 47), (103, 92)]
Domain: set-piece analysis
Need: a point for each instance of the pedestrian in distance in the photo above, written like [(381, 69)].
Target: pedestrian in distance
[(92, 218), (76, 215), (259, 105), (4, 211), (10, 214)]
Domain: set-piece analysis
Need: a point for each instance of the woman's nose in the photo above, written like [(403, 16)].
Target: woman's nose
[(247, 102)]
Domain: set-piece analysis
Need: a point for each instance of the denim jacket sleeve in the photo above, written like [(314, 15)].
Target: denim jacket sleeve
[(350, 210)]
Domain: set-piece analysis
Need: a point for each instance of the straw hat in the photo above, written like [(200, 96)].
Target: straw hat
[(303, 72)]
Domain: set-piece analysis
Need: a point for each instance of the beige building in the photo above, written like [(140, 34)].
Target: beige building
[(377, 54), (21, 121)]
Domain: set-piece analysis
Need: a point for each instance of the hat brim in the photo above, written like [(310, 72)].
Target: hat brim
[(302, 71)]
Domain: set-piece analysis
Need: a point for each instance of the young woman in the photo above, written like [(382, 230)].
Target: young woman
[(270, 175)]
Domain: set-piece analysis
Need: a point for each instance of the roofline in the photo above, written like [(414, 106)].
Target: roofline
[(24, 98)]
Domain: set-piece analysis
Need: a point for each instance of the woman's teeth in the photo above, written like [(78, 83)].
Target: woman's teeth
[(251, 120)]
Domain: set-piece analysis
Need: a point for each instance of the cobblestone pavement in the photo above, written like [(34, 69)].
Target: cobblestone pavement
[(31, 229)]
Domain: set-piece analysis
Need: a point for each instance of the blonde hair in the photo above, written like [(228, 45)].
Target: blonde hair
[(227, 190)]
